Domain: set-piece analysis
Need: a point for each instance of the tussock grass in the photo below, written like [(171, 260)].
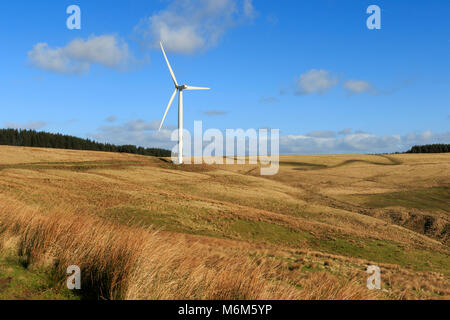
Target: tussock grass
[(120, 262), (322, 285)]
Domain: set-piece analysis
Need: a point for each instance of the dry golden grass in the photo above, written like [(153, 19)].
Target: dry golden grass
[(15, 155), (135, 263), (225, 231)]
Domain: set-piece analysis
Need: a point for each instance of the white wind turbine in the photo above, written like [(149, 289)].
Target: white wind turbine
[(179, 89)]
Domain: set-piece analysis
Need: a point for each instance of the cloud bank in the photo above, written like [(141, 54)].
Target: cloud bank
[(146, 134), (136, 132), (357, 142)]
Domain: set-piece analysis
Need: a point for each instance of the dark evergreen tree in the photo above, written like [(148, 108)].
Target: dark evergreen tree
[(32, 138), (430, 148)]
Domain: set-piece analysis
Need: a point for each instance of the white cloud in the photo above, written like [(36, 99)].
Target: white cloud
[(320, 81), (78, 56), (215, 113), (358, 86), (315, 81), (321, 134), (142, 125), (345, 131), (249, 9), (358, 143), (31, 125), (191, 25), (111, 119), (136, 132)]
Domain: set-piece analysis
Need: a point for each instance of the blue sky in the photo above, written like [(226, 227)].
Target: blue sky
[(309, 68)]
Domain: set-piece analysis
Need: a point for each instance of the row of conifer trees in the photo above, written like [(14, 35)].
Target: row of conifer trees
[(430, 148), (32, 138)]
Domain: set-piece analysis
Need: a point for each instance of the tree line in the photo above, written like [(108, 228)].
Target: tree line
[(32, 138), (430, 148)]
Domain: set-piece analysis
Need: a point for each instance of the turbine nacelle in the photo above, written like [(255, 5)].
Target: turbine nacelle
[(186, 87)]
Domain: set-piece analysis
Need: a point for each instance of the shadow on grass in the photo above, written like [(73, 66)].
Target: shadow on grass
[(316, 166)]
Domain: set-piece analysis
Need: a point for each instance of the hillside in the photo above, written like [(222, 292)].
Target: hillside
[(141, 227)]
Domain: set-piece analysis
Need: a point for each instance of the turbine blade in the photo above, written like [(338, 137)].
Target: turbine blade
[(196, 88), (168, 107), (168, 64)]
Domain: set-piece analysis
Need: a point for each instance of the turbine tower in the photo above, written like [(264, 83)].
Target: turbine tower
[(179, 89)]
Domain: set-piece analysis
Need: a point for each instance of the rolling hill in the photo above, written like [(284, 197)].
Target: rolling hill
[(143, 228)]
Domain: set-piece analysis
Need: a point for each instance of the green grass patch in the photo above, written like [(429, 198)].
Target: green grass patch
[(268, 232), (287, 207), (182, 222), (20, 283), (73, 166), (426, 199), (386, 252), (138, 216)]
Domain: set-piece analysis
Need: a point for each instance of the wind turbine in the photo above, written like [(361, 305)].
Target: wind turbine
[(179, 89)]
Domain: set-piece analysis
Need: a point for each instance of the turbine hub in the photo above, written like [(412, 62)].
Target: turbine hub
[(182, 87)]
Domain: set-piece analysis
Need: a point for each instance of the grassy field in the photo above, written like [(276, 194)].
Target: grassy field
[(142, 228)]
